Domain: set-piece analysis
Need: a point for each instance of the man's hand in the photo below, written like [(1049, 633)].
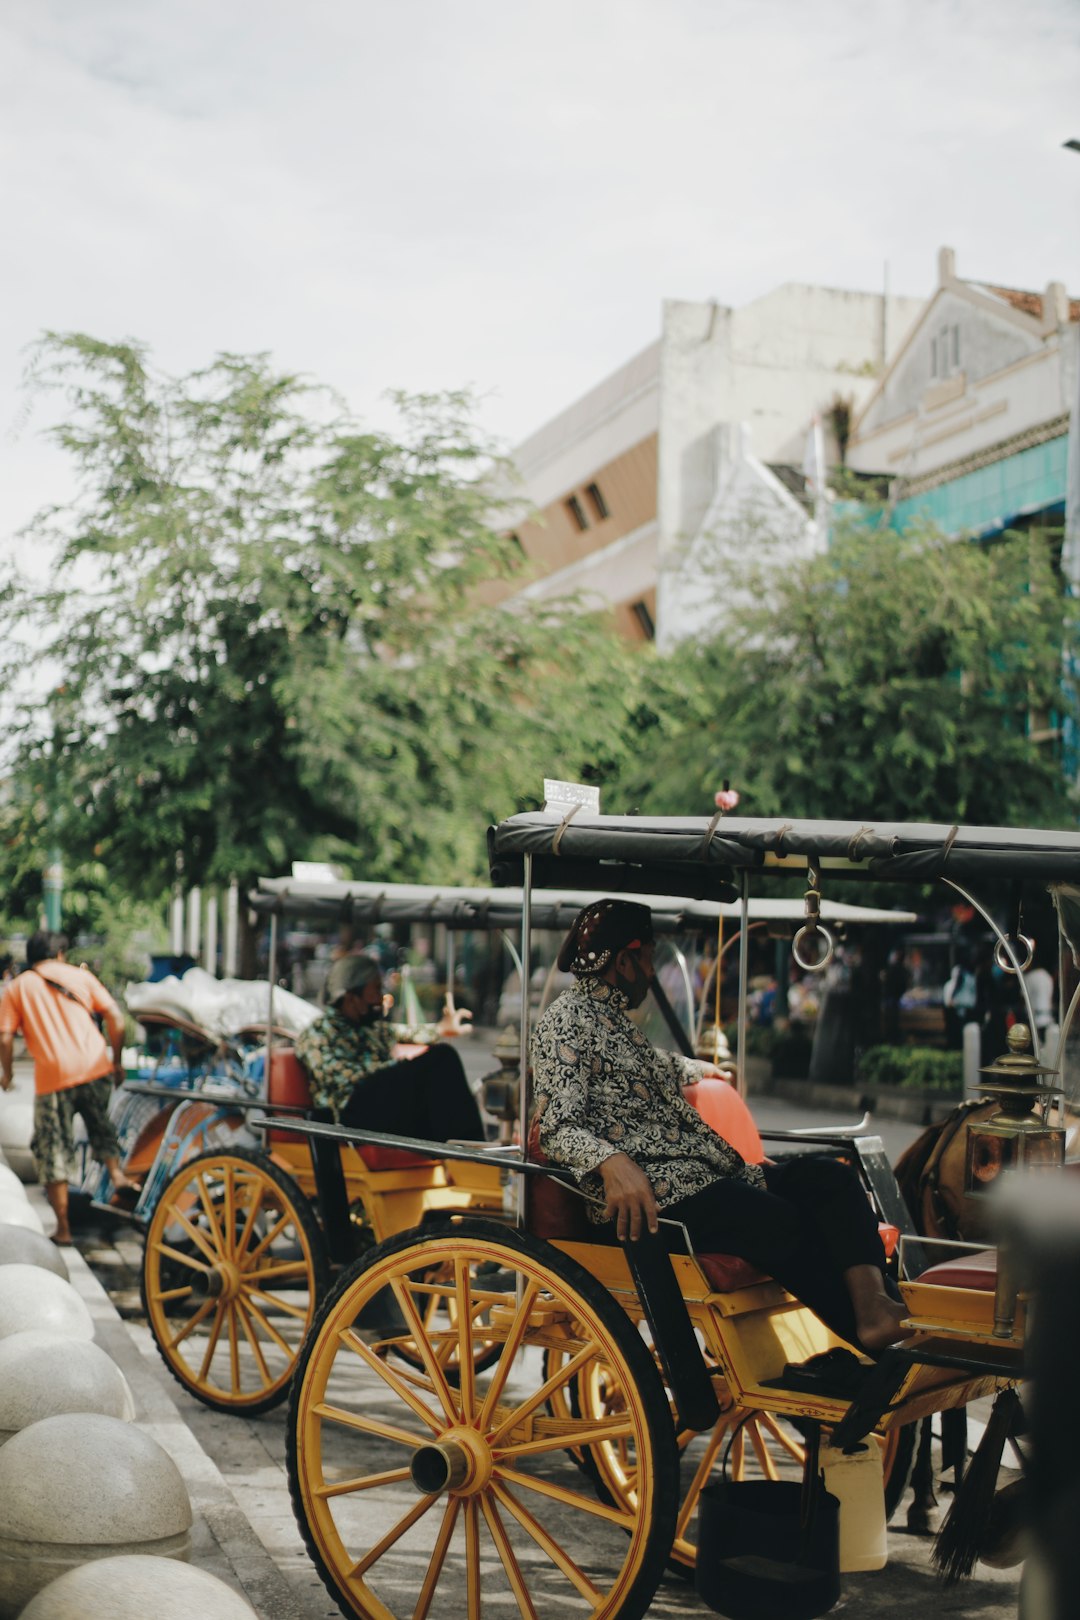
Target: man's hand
[(118, 1074), (713, 1071), (630, 1201), (454, 1021)]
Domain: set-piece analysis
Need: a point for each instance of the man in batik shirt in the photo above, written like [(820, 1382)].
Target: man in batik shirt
[(609, 1108), (348, 1053)]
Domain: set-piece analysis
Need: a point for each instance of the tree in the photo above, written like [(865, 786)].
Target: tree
[(263, 637), (898, 676)]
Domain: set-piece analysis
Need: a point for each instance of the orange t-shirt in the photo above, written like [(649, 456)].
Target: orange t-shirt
[(66, 1045)]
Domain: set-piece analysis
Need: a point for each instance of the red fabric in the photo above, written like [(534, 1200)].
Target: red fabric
[(974, 1270)]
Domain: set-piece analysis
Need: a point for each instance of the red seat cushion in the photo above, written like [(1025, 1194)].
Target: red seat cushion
[(289, 1086), (720, 1106), (974, 1270), (727, 1272)]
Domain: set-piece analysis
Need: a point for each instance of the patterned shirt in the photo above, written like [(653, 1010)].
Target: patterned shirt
[(337, 1054), (602, 1088)]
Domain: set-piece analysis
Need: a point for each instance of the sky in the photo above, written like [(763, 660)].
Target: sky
[(430, 194)]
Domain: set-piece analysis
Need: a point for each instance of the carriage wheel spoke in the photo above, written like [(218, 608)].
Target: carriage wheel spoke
[(418, 1334), (366, 1425), (510, 1349), (562, 1376), (466, 1368), (267, 1326), (300, 1312), (472, 1556), (244, 1239), (547, 1544), (256, 1347), (364, 1482), (592, 1505), (189, 1327), (583, 1434), (509, 1560), (167, 1252), (212, 1342), (396, 1380), (393, 1535), (271, 1236), (234, 1350), (701, 1475), (437, 1559), (285, 1268), (196, 1237), (211, 1216), (761, 1451)]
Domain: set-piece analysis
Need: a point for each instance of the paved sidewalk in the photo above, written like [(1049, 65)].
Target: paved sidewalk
[(223, 1541)]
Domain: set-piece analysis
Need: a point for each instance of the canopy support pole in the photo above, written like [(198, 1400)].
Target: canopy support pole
[(271, 974), (744, 964), (524, 1089)]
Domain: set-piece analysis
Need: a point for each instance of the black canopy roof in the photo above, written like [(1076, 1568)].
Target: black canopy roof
[(698, 856), (464, 908)]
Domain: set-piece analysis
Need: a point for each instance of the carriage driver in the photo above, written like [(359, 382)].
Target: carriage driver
[(610, 1108), (348, 1055)]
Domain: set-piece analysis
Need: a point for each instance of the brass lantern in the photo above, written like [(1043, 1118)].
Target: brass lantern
[(1017, 1136)]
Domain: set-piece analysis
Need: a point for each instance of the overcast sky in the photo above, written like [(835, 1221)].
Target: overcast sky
[(430, 193)]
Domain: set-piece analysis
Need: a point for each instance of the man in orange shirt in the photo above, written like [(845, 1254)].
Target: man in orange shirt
[(54, 1004)]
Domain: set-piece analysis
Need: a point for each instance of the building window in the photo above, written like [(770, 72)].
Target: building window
[(599, 505), (577, 513), (641, 613), (945, 352)]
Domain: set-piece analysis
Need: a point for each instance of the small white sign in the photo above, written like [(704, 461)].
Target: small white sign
[(561, 795)]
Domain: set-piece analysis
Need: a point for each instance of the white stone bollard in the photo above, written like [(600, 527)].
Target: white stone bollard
[(33, 1298), (16, 1210), (78, 1487), (8, 1178), (136, 1588), (16, 1129), (20, 1246), (43, 1374)]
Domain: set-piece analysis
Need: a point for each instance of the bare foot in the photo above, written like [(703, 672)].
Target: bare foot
[(884, 1327), (124, 1183)]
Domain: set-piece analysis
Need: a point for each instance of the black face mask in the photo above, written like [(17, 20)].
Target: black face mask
[(634, 988)]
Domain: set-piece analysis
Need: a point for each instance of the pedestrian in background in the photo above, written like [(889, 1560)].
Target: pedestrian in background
[(55, 1006)]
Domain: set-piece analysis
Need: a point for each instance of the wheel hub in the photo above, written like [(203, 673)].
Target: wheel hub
[(460, 1462), (221, 1281)]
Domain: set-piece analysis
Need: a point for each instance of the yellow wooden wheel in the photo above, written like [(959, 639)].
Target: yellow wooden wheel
[(234, 1267), (762, 1446), (424, 1495)]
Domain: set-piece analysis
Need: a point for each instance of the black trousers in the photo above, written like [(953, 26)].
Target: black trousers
[(426, 1096), (810, 1222)]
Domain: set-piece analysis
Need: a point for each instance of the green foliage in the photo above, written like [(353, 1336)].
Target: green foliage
[(269, 638), (915, 1068), (894, 677)]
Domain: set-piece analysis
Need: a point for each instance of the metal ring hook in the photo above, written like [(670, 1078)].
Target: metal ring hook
[(1002, 960), (807, 931)]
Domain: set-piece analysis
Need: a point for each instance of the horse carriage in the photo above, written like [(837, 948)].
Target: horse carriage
[(243, 1235), (503, 1414)]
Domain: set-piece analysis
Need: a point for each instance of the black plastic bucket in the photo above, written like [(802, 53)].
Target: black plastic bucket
[(756, 1558)]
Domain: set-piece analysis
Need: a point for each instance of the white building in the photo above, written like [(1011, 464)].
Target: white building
[(971, 419), (676, 452)]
